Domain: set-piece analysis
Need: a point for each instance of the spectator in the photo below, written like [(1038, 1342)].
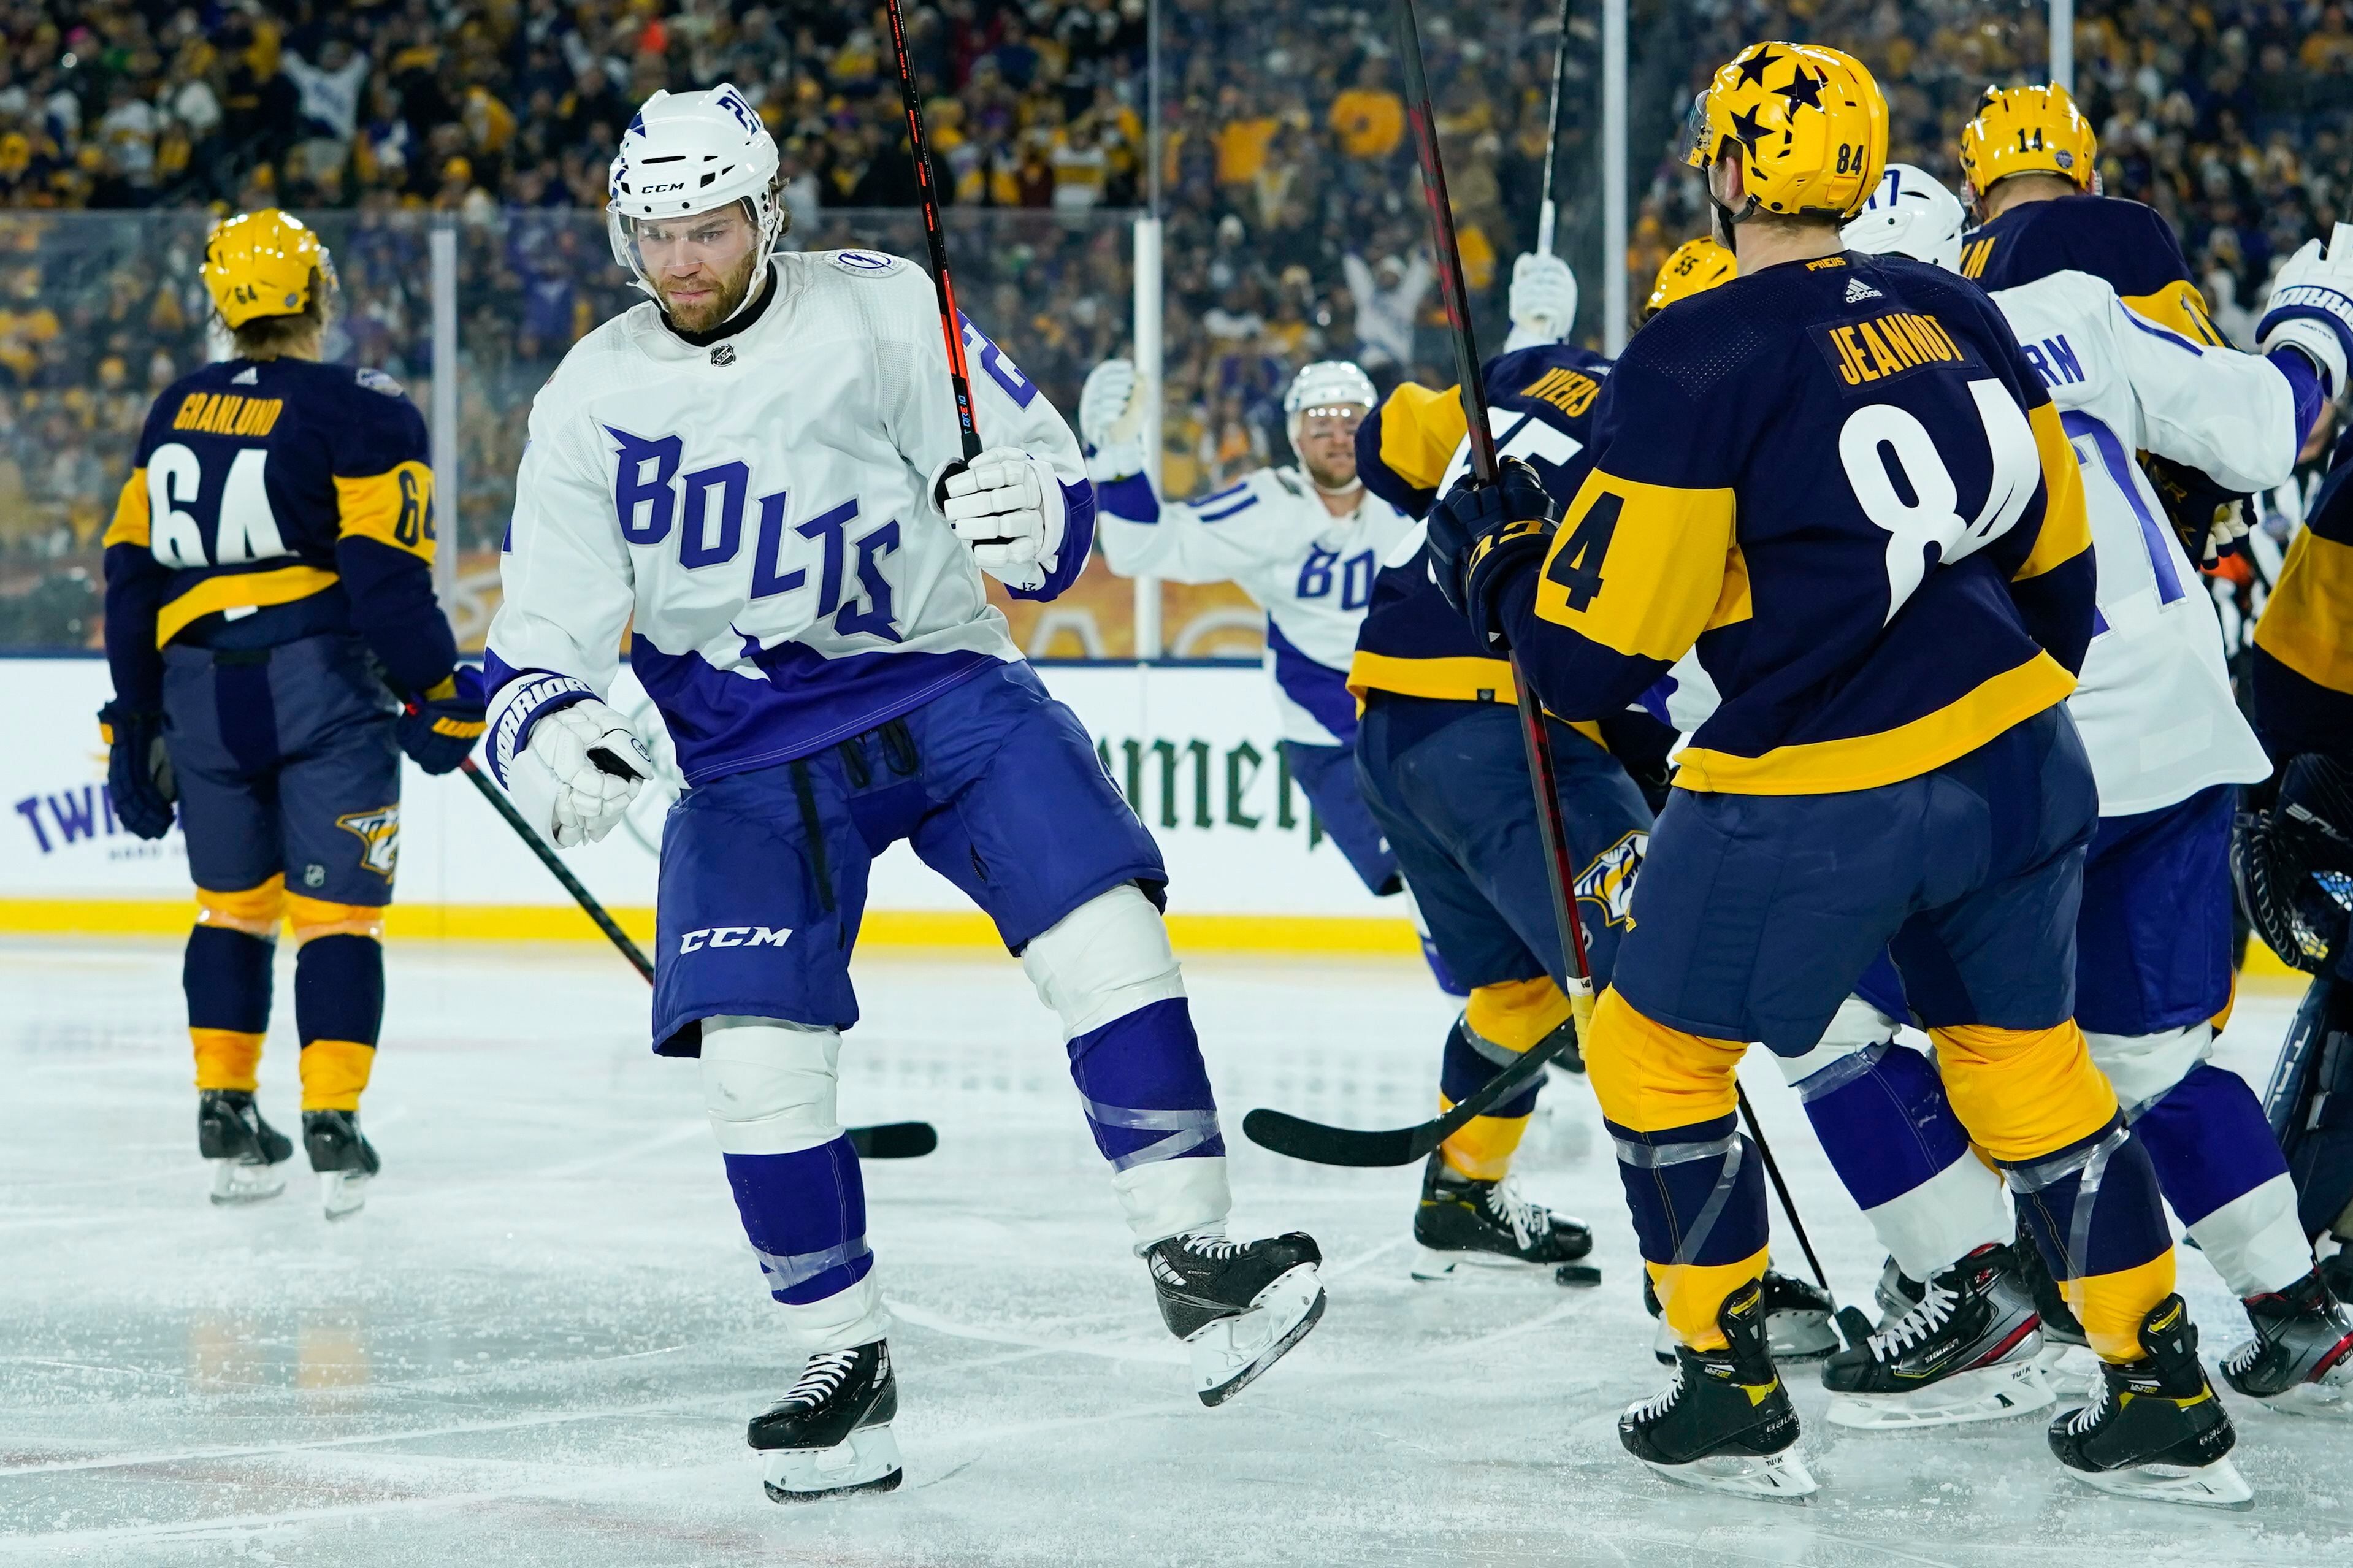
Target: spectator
[(1388, 297), (1369, 118)]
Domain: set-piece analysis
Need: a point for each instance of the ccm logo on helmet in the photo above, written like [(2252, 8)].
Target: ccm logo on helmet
[(658, 190), (733, 936)]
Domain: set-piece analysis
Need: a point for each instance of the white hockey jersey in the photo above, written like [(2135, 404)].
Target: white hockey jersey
[(2154, 700), (1311, 572), (757, 515)]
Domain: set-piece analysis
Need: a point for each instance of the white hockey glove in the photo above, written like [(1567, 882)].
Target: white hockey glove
[(1544, 300), (1007, 505), (2311, 307), (1111, 421), (578, 774)]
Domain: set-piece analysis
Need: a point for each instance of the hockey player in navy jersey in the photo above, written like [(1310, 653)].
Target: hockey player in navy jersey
[(758, 473), (1872, 531), (269, 575), (2029, 158), (1441, 760), (2029, 162), (2168, 746), (1456, 809), (1303, 541)]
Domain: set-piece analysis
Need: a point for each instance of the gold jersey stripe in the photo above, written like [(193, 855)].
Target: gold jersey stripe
[(239, 591), (1907, 751)]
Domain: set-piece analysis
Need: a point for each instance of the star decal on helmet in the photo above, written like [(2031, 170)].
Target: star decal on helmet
[(1805, 88), (1752, 67), (1747, 131)]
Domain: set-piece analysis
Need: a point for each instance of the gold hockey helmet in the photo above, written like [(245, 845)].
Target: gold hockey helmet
[(258, 264), (1810, 122), (2027, 131), (1697, 265)]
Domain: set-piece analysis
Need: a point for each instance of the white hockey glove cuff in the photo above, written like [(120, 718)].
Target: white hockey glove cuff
[(1544, 300), (1008, 506), (578, 774), (1111, 421), (2311, 307)]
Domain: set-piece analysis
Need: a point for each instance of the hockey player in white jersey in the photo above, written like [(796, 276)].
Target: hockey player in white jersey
[(2167, 748), (757, 475), (1305, 543)]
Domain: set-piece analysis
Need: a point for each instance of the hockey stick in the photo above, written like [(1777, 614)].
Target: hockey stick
[(1319, 1144), (1339, 1146), (1855, 1327), (1552, 132), (951, 330), (890, 1140)]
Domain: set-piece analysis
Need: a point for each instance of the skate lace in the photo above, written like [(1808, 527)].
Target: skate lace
[(2089, 1416), (1528, 1220), (1934, 1310), (2242, 1360), (826, 1372), (1215, 1249), (1659, 1404)]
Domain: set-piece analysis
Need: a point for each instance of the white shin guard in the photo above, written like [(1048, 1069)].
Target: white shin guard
[(769, 1086), (2145, 1068), (1102, 961)]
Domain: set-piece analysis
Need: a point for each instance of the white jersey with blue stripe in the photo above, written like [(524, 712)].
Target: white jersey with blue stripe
[(757, 515), (2153, 701), (1271, 536)]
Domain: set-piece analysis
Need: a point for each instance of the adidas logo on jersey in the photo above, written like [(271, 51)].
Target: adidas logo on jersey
[(1856, 289), (249, 376)]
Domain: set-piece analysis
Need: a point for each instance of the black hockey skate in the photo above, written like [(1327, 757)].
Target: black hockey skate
[(2153, 1428), (1238, 1305), (343, 1157), (1796, 1320), (830, 1433), (244, 1150), (1964, 1351), (2301, 1359), (1725, 1423), (2060, 1331), (1465, 1227)]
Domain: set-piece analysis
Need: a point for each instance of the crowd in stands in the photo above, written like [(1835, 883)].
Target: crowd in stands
[(1293, 225)]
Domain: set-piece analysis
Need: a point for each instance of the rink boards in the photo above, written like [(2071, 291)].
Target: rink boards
[(1192, 746)]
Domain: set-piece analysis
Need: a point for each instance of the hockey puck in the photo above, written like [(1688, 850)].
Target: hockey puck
[(1578, 1273)]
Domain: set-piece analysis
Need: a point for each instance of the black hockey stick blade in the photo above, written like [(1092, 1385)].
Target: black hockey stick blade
[(1321, 1145), (894, 1140)]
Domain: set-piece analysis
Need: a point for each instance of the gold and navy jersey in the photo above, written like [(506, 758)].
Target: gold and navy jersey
[(2303, 665), (2125, 245), (271, 500), (1541, 403), (1843, 482)]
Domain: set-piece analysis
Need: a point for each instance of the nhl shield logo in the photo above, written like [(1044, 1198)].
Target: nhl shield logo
[(1608, 881), (379, 835), (724, 354)]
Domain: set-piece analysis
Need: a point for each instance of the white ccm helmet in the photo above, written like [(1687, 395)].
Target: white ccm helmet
[(1325, 386), (689, 152), (1911, 213)]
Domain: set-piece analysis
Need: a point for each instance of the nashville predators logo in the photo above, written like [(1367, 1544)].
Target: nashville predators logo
[(1610, 880), (379, 835)]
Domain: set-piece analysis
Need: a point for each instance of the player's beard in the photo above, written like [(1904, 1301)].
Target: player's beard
[(1326, 480), (734, 284)]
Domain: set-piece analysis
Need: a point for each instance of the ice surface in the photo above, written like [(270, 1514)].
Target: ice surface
[(539, 1344)]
